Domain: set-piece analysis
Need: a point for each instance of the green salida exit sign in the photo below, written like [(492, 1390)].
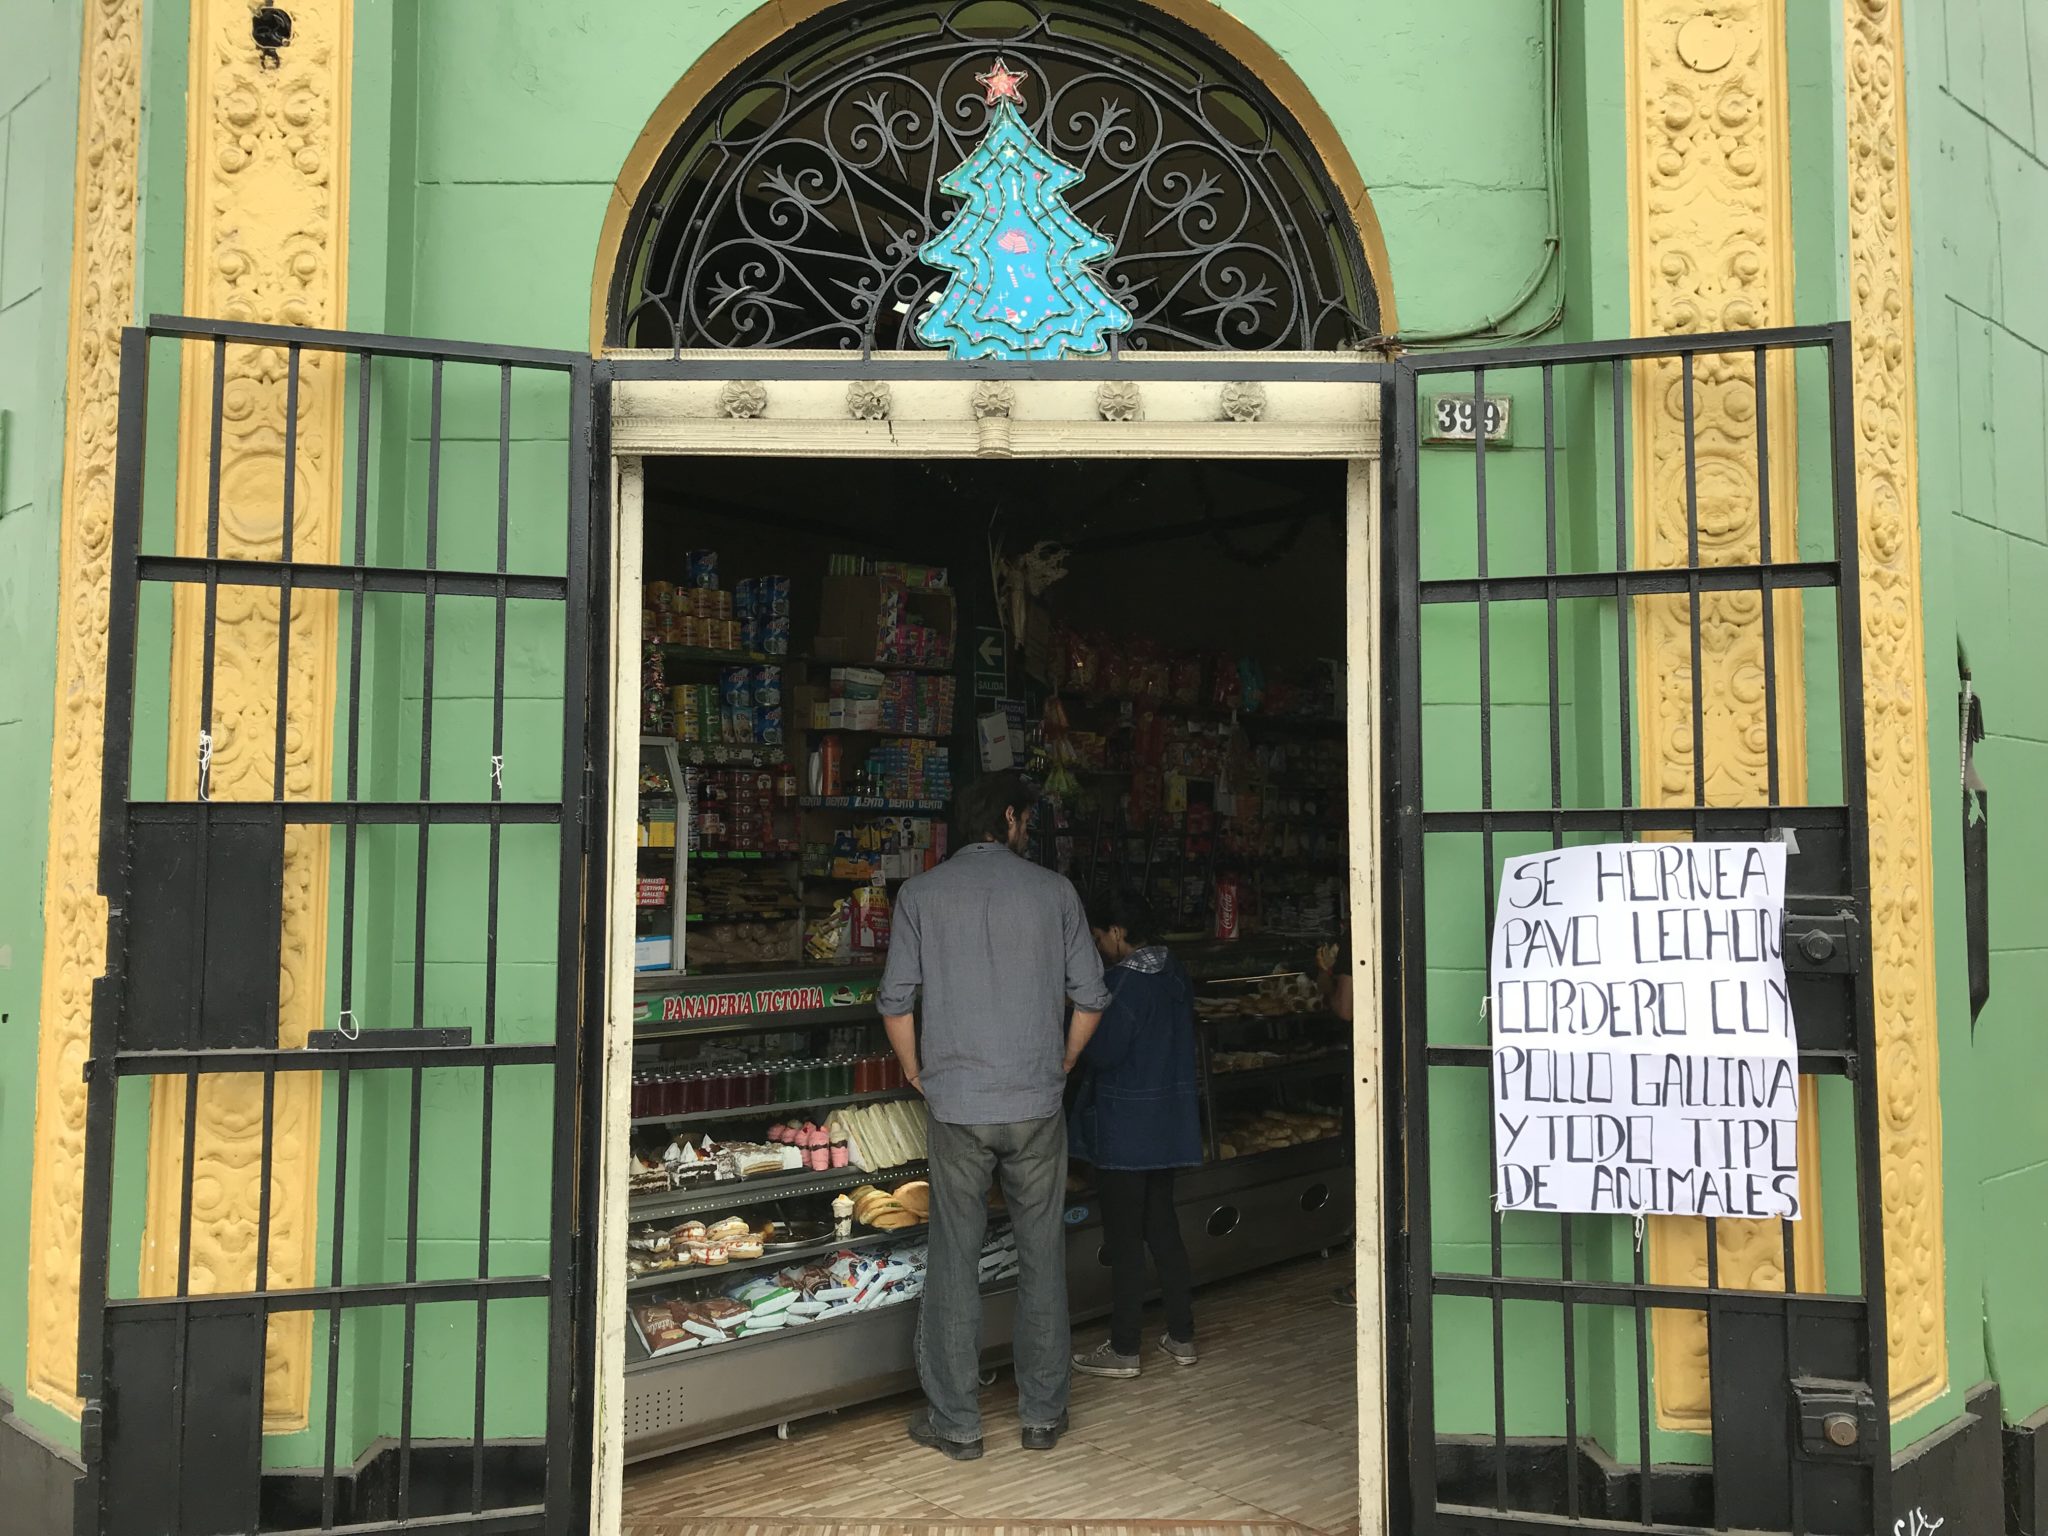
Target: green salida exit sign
[(1453, 420)]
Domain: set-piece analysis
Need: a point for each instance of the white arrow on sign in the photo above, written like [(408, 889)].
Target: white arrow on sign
[(990, 654)]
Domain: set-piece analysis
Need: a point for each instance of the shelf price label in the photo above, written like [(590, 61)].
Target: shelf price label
[(1455, 419)]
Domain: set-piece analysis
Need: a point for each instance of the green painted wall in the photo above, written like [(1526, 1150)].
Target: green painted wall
[(1977, 118), (486, 136), (38, 116)]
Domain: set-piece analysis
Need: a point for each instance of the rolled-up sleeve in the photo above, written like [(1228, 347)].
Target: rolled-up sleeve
[(903, 971), (1084, 963)]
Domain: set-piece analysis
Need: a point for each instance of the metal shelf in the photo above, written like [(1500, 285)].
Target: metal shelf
[(1316, 1066), (1221, 1020), (876, 730), (863, 803), (927, 668), (737, 1112), (737, 1192), (673, 652)]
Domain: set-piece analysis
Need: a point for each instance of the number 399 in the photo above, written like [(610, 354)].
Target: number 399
[(1455, 416)]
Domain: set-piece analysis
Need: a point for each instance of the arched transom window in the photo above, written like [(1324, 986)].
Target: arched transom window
[(789, 210)]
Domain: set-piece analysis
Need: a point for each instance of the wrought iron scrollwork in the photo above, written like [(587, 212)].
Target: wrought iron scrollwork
[(789, 211)]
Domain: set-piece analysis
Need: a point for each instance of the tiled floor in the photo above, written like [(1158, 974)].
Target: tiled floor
[(1260, 1438)]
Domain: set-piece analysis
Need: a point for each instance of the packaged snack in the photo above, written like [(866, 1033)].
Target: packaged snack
[(702, 568), (659, 1328)]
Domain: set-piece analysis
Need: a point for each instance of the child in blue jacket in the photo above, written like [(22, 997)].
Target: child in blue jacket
[(1137, 1118)]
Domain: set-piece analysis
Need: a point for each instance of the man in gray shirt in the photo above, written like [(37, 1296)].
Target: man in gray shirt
[(999, 946)]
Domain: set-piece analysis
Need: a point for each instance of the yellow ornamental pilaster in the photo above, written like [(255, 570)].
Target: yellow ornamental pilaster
[(74, 918), (265, 241), (1710, 249), (1895, 702)]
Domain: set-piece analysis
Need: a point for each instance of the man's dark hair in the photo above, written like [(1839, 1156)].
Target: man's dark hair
[(982, 804), (1127, 910)]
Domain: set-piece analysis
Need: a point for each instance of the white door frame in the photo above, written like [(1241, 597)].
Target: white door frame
[(1157, 406)]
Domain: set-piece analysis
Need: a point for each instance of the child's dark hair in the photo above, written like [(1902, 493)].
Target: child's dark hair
[(1127, 910)]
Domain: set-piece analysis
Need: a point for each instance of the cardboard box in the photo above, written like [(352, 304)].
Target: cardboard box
[(998, 748), (850, 615)]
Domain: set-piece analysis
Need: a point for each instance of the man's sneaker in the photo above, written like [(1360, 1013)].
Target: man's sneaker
[(1346, 1295), (1042, 1437), (1177, 1351), (1103, 1360), (922, 1432)]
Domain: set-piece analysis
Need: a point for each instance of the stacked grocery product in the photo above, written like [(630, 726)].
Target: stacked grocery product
[(871, 699), (760, 607), (742, 810), (880, 848), (899, 770), (886, 612), (900, 637), (660, 1091), (697, 613), (743, 708), (906, 769)]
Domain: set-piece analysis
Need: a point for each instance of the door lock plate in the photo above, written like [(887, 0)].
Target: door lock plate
[(1821, 940), (1837, 1420)]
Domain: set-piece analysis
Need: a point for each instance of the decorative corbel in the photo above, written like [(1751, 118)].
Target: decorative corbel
[(1118, 400), (1244, 401), (868, 400), (743, 399), (993, 403)]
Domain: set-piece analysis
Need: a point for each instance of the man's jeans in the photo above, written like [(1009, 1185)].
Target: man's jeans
[(1030, 1157)]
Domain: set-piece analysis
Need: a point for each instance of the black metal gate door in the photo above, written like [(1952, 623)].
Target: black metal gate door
[(337, 1191), (1626, 608)]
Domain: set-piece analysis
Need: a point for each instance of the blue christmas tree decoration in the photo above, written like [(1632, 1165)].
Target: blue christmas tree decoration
[(1020, 285)]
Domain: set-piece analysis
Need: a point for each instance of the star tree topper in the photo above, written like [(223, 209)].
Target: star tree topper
[(1020, 285)]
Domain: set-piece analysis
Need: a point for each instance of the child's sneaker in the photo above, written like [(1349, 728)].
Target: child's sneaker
[(1103, 1360), (1180, 1353)]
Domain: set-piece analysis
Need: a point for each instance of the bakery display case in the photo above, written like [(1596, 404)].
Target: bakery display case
[(779, 1197)]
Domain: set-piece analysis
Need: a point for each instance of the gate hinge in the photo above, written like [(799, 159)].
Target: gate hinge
[(91, 1430), (1823, 939)]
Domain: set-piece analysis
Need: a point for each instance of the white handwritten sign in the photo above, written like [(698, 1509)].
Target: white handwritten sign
[(1644, 1060)]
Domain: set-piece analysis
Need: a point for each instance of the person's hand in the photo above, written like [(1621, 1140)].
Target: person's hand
[(915, 1080), (1072, 1061), (1326, 958)]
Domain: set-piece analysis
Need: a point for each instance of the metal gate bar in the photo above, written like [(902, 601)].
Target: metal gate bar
[(204, 1473), (1783, 1483)]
